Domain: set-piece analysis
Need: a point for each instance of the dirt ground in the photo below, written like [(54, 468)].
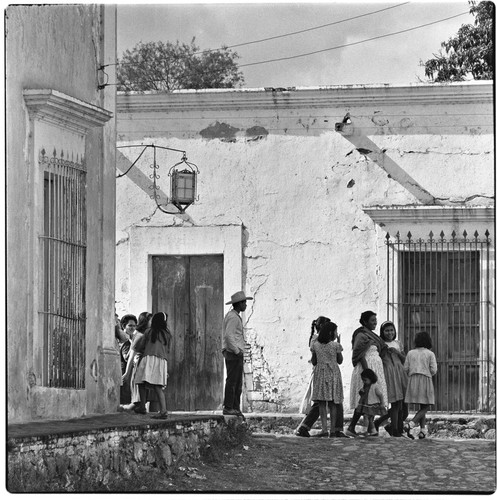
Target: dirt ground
[(277, 463)]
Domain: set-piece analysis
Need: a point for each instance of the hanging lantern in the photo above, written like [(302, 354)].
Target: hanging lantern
[(183, 184), (183, 179)]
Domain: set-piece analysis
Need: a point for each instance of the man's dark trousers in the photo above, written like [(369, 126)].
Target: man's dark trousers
[(234, 379), (311, 418)]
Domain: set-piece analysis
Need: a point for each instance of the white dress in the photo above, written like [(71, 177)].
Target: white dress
[(374, 363)]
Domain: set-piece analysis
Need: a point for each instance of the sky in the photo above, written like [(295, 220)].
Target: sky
[(392, 59)]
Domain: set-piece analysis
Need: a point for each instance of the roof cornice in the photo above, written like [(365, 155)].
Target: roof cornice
[(318, 97)]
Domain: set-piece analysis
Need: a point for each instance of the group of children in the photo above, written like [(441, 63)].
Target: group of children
[(420, 365), (144, 352)]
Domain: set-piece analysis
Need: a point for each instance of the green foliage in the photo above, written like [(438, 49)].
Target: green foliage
[(470, 52), (166, 67)]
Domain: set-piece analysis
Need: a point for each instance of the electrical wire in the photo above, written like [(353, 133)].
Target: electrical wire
[(302, 31), (338, 46), (280, 36), (353, 43)]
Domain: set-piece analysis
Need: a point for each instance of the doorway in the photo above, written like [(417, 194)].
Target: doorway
[(189, 288)]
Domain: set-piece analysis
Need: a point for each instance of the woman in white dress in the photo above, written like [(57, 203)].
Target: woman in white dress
[(367, 352)]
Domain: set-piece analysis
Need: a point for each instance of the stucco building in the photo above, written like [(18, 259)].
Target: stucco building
[(315, 201), (60, 177)]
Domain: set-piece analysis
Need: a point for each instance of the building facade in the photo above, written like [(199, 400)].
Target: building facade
[(60, 221), (317, 201)]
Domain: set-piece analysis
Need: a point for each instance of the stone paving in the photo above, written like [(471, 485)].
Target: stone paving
[(281, 463), (273, 462)]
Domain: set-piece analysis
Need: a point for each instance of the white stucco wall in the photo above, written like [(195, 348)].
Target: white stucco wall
[(272, 163), (54, 52)]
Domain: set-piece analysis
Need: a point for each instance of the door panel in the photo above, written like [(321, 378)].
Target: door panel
[(206, 277)]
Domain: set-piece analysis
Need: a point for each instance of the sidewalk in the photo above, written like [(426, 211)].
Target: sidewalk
[(284, 423), (118, 420)]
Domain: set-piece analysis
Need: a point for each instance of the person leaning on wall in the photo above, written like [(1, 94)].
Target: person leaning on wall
[(234, 346)]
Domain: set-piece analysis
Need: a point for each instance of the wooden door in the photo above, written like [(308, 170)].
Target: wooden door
[(189, 288)]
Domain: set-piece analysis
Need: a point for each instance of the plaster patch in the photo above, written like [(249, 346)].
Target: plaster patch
[(380, 121), (256, 133), (218, 130)]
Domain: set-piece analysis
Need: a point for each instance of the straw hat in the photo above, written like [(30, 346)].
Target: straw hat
[(238, 297)]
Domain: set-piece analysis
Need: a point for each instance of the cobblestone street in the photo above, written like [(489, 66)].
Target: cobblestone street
[(277, 463)]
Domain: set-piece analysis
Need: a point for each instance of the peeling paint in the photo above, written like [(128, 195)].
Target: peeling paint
[(94, 370), (31, 379), (262, 378)]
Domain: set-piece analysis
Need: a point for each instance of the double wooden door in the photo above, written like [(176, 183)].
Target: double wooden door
[(189, 288)]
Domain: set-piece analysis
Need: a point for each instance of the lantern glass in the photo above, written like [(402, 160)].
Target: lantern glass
[(183, 187)]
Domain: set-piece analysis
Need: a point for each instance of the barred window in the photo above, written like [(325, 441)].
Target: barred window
[(442, 286), (64, 270)]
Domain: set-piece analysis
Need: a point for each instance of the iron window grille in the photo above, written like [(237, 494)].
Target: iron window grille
[(64, 270), (443, 286)]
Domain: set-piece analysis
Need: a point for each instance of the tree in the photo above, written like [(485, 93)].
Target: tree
[(166, 67), (470, 52)]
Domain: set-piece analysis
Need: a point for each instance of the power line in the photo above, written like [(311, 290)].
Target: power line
[(353, 43), (303, 31), (284, 35)]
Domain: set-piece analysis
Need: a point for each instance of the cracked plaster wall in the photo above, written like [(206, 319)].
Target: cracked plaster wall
[(309, 248)]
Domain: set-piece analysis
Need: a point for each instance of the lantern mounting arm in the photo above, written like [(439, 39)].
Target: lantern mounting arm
[(155, 176)]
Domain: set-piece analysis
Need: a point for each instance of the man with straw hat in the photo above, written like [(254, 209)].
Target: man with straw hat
[(233, 348)]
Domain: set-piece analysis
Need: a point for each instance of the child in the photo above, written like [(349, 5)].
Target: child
[(396, 378), (371, 403), (305, 405), (420, 366), (327, 379), (152, 369), (133, 359)]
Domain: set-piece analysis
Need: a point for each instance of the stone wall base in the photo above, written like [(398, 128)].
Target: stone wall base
[(103, 456)]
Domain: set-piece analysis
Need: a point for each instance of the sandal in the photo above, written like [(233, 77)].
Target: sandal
[(407, 430), (421, 435), (161, 416)]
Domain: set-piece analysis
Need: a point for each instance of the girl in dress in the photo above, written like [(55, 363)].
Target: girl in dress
[(371, 403), (152, 369), (420, 366), (396, 379), (137, 405), (327, 379)]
